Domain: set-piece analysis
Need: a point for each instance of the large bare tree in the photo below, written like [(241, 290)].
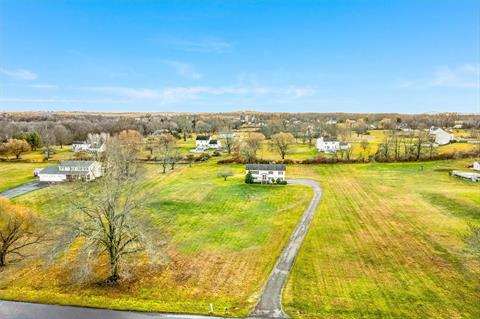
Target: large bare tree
[(166, 151), (281, 142), (250, 146), (110, 220), (19, 230)]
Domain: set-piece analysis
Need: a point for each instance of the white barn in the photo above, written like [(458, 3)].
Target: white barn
[(71, 170), (267, 173), (441, 137), (331, 145)]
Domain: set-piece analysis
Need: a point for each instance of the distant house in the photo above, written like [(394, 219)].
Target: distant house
[(441, 137), (214, 144), (71, 170), (331, 122), (267, 173), (476, 166), (202, 141), (95, 143), (331, 145), (349, 121), (88, 147)]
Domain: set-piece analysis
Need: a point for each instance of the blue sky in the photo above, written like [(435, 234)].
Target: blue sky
[(310, 56)]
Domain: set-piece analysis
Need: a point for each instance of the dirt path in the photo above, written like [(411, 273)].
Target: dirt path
[(270, 304)]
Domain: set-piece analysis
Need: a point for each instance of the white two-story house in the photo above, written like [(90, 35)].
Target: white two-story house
[(71, 170), (202, 142), (331, 145), (267, 173)]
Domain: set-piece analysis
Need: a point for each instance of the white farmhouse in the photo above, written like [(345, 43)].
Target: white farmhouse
[(476, 166), (331, 145), (214, 144), (88, 147), (441, 137), (267, 173), (71, 170), (202, 142)]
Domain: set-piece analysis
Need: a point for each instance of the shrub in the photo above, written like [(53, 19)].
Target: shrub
[(249, 178)]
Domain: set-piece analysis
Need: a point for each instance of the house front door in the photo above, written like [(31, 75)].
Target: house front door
[(264, 178)]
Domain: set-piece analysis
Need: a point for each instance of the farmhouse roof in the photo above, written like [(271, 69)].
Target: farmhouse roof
[(203, 137), (76, 163), (50, 170), (213, 142), (329, 139), (266, 167)]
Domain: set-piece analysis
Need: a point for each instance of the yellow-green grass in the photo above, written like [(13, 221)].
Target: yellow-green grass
[(225, 237), (13, 174), (39, 155), (457, 147), (387, 242)]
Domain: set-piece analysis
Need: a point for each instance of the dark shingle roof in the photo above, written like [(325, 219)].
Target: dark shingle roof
[(203, 137), (213, 142), (76, 163), (266, 167), (50, 170)]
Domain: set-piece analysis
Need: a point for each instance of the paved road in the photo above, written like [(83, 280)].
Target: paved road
[(23, 189), (25, 310), (270, 304)]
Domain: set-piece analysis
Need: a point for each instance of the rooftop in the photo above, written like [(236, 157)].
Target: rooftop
[(76, 163), (266, 167), (203, 137)]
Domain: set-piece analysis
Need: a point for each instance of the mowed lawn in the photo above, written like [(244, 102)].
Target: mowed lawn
[(224, 238), (13, 174), (387, 242)]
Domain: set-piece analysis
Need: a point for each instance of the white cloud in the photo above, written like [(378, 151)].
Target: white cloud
[(463, 76), (176, 94), (183, 69), (44, 86), (59, 100), (208, 45), (19, 74)]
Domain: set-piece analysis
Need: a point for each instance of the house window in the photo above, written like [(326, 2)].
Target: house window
[(254, 172), (280, 173), (270, 172)]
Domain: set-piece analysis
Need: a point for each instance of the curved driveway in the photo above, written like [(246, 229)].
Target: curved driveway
[(269, 305)]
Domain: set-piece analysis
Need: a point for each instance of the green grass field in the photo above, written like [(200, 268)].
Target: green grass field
[(224, 239), (387, 242), (14, 174)]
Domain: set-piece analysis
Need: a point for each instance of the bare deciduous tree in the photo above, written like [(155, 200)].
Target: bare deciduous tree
[(250, 146), (225, 173), (62, 135), (228, 140), (110, 220), (18, 231), (281, 142)]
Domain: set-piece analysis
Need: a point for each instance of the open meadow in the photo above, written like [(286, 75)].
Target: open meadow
[(223, 239), (387, 242)]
